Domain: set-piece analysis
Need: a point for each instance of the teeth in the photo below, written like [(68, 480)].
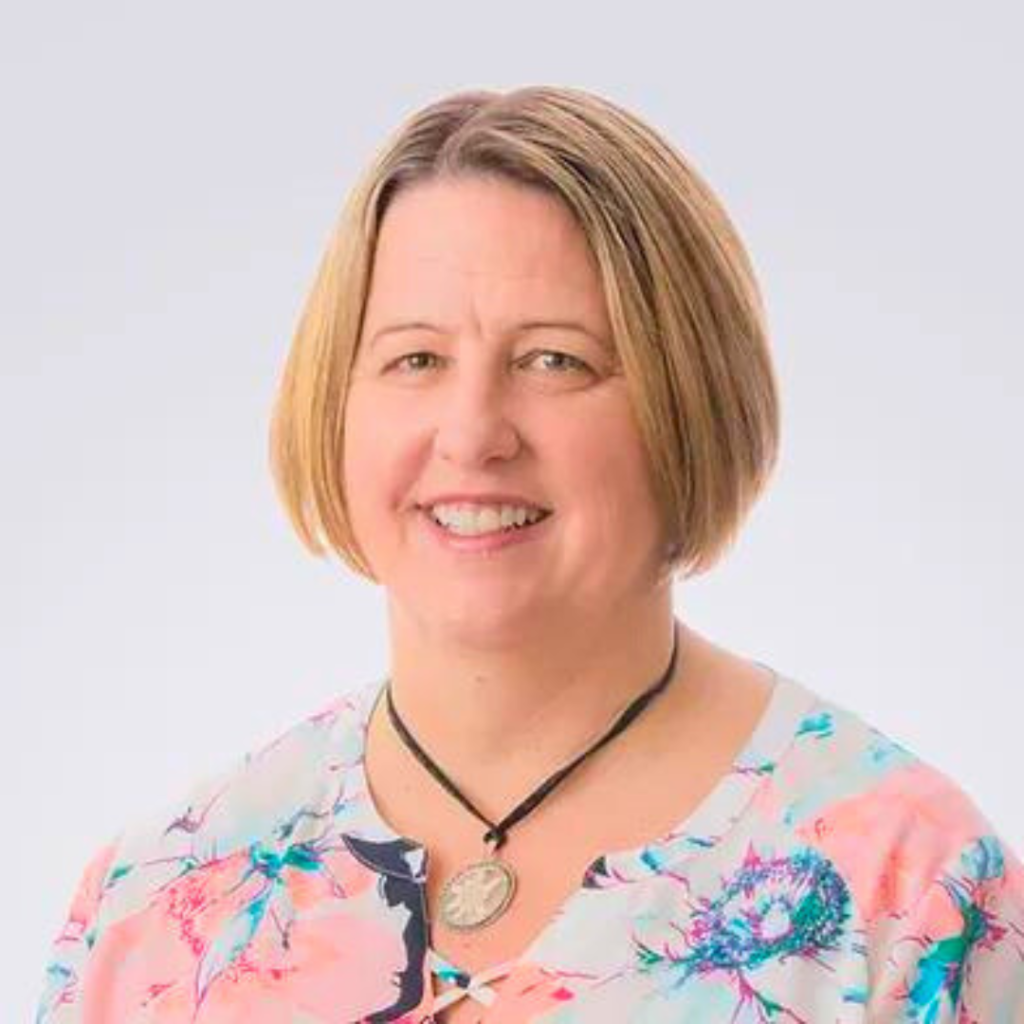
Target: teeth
[(470, 520)]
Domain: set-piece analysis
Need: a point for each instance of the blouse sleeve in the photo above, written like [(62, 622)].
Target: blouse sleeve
[(958, 953), (63, 986)]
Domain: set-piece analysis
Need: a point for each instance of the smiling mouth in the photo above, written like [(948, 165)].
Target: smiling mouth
[(472, 527)]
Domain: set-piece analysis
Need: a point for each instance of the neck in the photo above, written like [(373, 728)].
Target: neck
[(501, 713)]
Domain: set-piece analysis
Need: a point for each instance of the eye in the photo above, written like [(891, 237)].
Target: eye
[(562, 359), (408, 359), (562, 362)]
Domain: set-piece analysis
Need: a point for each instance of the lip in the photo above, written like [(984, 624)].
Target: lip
[(486, 542), (491, 498)]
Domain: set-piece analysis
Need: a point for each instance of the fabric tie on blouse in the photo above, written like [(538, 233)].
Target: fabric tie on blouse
[(476, 986)]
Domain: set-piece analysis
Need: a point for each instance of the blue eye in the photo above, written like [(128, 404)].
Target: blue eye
[(569, 362)]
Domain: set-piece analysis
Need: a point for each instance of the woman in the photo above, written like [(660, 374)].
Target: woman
[(530, 387)]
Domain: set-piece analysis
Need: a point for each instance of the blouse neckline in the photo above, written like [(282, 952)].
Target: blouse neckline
[(697, 833)]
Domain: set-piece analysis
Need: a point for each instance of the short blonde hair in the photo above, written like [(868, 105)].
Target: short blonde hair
[(685, 309)]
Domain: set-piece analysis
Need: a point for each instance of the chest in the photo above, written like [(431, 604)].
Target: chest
[(476, 964), (550, 861)]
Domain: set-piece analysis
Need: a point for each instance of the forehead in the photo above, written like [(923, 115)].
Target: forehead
[(487, 237)]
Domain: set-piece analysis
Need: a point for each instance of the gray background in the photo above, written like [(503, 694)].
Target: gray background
[(170, 176)]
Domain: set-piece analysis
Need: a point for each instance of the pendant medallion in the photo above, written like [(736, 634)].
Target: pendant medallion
[(477, 895)]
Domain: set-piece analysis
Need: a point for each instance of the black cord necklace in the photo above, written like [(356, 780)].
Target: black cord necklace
[(480, 892)]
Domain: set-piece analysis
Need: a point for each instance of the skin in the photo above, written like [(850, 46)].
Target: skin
[(506, 665), (537, 646)]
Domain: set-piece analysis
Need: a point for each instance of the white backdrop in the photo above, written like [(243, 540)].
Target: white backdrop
[(170, 177)]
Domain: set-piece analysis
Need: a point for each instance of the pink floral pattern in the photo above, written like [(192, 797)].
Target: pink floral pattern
[(830, 876)]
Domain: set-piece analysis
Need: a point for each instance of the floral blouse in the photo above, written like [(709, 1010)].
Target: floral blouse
[(830, 876)]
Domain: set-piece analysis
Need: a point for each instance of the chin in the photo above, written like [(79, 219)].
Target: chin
[(480, 623)]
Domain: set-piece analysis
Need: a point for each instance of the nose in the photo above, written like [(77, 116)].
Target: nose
[(475, 420)]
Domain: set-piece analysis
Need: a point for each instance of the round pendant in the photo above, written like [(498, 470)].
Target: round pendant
[(477, 895)]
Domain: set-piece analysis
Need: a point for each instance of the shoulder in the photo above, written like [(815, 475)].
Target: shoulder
[(895, 825), (939, 894), (273, 862), (261, 802)]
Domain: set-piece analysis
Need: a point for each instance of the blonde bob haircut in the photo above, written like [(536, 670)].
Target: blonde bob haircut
[(685, 309)]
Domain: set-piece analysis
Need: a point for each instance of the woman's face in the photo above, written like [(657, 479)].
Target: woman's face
[(473, 401)]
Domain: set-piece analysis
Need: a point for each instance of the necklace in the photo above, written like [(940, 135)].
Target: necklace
[(481, 892)]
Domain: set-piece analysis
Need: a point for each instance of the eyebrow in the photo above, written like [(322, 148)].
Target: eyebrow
[(520, 328)]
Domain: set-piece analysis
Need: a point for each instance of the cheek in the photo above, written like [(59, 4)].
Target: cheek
[(625, 492), (354, 446), (608, 449), (364, 466), (378, 455), (604, 463)]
